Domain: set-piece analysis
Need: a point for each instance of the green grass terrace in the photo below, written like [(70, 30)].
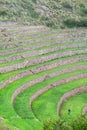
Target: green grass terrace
[(41, 74)]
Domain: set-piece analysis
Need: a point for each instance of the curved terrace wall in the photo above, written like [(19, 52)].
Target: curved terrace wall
[(68, 95)]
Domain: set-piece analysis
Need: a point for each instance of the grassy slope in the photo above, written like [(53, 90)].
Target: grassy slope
[(48, 12), (79, 102), (29, 92), (46, 105), (6, 125)]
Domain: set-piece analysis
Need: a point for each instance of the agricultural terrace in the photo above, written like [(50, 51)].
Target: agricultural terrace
[(43, 73)]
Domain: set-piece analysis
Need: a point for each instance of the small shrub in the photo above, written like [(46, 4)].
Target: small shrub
[(84, 10), (71, 22), (76, 124), (82, 5), (80, 123), (67, 5), (82, 22), (53, 124), (3, 13)]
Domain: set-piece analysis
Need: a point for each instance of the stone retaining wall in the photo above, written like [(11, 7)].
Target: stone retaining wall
[(40, 52), (46, 34), (58, 83), (39, 60), (51, 75), (40, 69), (24, 48), (55, 38)]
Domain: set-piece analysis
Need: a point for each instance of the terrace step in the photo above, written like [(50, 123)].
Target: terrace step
[(41, 79), (56, 84), (41, 69), (26, 48), (49, 39), (15, 41), (40, 52), (40, 60), (68, 95)]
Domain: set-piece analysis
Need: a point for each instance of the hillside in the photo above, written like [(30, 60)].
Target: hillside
[(43, 65), (43, 73), (53, 13)]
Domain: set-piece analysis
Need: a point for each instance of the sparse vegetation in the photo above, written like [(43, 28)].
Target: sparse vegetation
[(51, 13)]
